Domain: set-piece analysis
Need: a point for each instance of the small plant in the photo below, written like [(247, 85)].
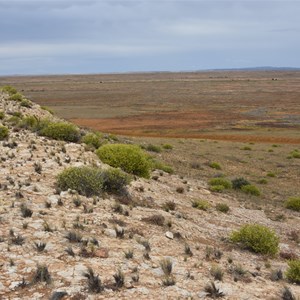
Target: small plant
[(262, 181), (220, 181), (48, 204), (146, 244), (166, 266), (187, 250), (41, 275), (119, 279), (40, 246), (38, 168), (167, 146), (73, 237), (215, 165), (238, 183), (293, 271), (47, 227), (157, 219), (77, 201), (18, 240), (153, 148), (222, 207), (129, 158), (201, 204), (258, 238), (217, 272), (128, 254), (115, 180), (120, 232), (168, 281), (93, 139), (293, 203), (94, 282), (271, 174), (3, 132), (251, 190), (217, 188), (9, 90), (26, 103), (246, 148), (213, 291), (16, 97), (287, 294), (25, 211), (169, 205), (295, 153)]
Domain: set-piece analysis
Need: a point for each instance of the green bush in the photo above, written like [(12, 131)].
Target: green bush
[(295, 153), (222, 207), (238, 183), (29, 122), (61, 131), (16, 97), (293, 271), (258, 238), (217, 188), (271, 174), (14, 120), (129, 158), (201, 204), (220, 181), (167, 146), (2, 115), (3, 132), (114, 180), (87, 181), (47, 109), (26, 103), (215, 165), (251, 190), (157, 165), (93, 139), (246, 148), (153, 148), (293, 203), (9, 90), (262, 181)]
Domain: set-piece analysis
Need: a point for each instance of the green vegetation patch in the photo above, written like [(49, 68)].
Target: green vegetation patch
[(3, 132), (257, 238), (61, 131), (293, 203), (220, 181), (222, 207), (215, 165), (129, 158), (238, 183), (201, 204), (93, 139), (293, 271), (9, 90), (153, 148), (251, 190)]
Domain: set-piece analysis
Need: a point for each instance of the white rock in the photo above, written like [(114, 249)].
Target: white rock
[(169, 235)]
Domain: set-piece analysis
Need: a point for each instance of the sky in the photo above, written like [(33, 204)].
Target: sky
[(109, 36)]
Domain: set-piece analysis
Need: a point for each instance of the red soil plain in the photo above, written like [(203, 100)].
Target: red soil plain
[(245, 106)]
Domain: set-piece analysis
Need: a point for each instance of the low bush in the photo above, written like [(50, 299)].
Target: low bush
[(251, 190), (9, 90), (262, 181), (222, 207), (129, 158), (3, 132), (87, 181), (16, 97), (47, 109), (215, 165), (220, 181), (238, 183), (293, 271), (217, 188), (157, 165), (29, 122), (26, 103), (293, 203), (2, 115), (92, 139), (258, 238), (167, 146), (115, 180), (61, 131), (201, 204), (153, 148), (295, 153)]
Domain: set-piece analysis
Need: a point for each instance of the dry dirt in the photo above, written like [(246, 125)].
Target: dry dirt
[(21, 183)]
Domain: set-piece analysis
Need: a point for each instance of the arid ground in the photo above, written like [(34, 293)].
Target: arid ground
[(239, 106)]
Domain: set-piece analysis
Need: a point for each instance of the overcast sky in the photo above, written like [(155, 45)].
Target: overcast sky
[(101, 36)]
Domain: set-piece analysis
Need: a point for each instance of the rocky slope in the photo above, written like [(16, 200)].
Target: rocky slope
[(195, 241)]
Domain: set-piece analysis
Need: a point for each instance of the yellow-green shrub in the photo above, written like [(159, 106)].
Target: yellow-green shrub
[(129, 158), (293, 271), (258, 238), (250, 189), (93, 139), (9, 90), (293, 203), (220, 181), (3, 132)]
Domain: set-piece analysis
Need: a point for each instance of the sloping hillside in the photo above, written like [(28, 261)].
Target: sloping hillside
[(127, 238)]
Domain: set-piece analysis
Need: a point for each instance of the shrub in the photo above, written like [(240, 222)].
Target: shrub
[(246, 148), (217, 188), (16, 97), (293, 203), (258, 238), (47, 109), (114, 180), (271, 174), (262, 181), (153, 148), (93, 281), (222, 207), (215, 165), (220, 181), (92, 139), (251, 189), (129, 158), (238, 183), (295, 153), (26, 103), (9, 90), (293, 271), (3, 132), (2, 115), (201, 204), (41, 275), (87, 181), (29, 122), (167, 146), (157, 165), (61, 131)]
